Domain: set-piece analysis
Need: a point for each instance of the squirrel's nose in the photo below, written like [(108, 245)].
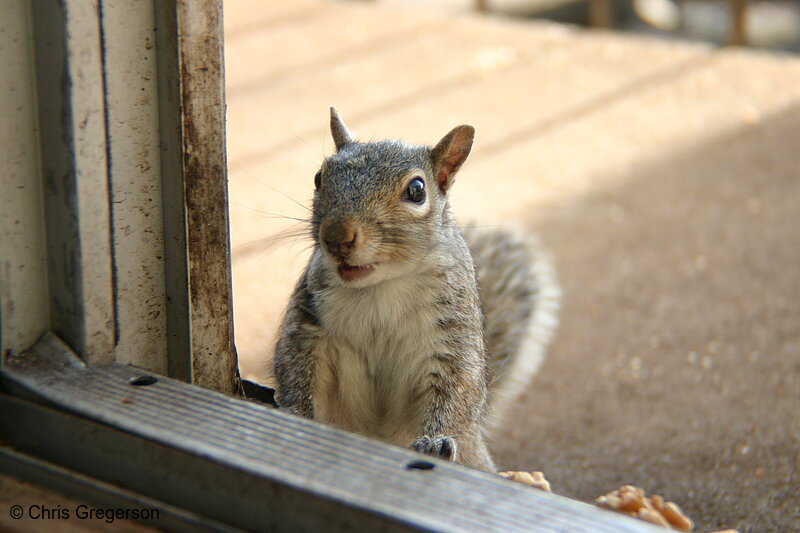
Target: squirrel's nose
[(341, 238)]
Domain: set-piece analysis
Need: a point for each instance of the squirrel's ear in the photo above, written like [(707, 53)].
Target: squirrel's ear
[(450, 154), (341, 135)]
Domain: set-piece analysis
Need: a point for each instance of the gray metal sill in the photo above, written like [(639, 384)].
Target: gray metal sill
[(113, 434)]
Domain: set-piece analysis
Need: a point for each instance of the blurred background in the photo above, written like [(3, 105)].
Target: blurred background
[(651, 144), (761, 23)]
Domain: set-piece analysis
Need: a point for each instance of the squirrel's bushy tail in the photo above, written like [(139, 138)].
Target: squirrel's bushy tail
[(520, 298)]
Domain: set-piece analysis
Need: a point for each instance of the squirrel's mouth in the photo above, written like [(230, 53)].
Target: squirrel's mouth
[(353, 272)]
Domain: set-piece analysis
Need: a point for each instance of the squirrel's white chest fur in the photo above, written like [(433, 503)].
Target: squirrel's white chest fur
[(373, 357)]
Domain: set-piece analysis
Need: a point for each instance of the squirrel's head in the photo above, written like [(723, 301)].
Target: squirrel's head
[(380, 207)]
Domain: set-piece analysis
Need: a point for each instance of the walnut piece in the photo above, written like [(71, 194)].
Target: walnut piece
[(532, 479), (633, 501), (627, 499)]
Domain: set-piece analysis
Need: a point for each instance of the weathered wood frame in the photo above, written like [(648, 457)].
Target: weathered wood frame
[(117, 437), (115, 256), (115, 235)]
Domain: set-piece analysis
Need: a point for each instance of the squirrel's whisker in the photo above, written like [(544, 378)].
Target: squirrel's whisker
[(268, 186)]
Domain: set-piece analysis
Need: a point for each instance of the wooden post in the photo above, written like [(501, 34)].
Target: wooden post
[(738, 35), (599, 13), (192, 85)]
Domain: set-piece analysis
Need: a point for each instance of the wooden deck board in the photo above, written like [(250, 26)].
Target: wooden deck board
[(337, 34), (533, 68), (246, 16)]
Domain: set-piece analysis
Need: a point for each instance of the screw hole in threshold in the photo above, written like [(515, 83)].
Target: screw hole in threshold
[(420, 465), (143, 380)]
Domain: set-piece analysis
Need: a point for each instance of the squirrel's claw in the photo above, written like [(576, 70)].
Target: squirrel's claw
[(438, 446)]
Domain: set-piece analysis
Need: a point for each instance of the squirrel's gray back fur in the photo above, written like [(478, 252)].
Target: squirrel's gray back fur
[(386, 333)]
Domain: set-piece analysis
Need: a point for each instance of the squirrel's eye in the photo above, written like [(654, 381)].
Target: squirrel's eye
[(317, 179), (416, 191)]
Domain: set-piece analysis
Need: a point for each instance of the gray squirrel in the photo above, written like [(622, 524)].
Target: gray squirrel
[(399, 328)]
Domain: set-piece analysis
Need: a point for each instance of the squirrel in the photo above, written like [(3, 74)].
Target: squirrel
[(399, 328)]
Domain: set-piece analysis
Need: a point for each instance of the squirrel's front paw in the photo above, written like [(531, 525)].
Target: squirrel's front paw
[(438, 446)]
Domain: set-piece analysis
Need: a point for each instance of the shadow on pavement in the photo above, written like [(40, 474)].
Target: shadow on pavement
[(676, 367)]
